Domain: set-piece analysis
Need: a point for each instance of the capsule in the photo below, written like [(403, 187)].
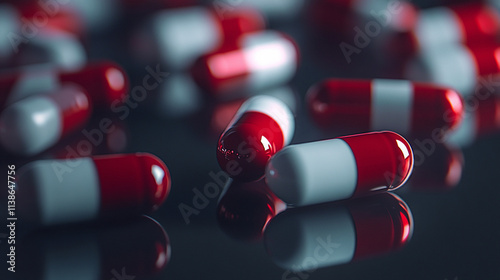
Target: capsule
[(396, 105), (59, 48), (340, 168), (34, 124), (308, 238), (180, 36), (52, 192), (483, 120), (139, 247), (272, 9), (456, 66), (245, 209), (459, 24), (262, 126), (105, 82), (256, 61)]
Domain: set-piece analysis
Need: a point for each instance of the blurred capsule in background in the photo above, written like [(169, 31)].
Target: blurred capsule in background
[(470, 24), (271, 9), (105, 82), (482, 118), (345, 18), (458, 67), (53, 192), (341, 168), (138, 248), (402, 106), (244, 209), (58, 48), (36, 123), (256, 61), (178, 36), (262, 126), (438, 167), (307, 238), (223, 111)]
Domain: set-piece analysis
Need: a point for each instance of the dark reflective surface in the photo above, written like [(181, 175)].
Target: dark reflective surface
[(455, 236)]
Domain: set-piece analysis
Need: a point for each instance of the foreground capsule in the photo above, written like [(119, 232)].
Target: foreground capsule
[(307, 238), (262, 126), (456, 66), (373, 105), (35, 123), (256, 61), (179, 36), (105, 82), (54, 192), (340, 168)]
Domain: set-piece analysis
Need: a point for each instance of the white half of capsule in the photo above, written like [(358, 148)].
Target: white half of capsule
[(274, 8), (33, 81), (391, 106), (311, 241), (64, 191), (9, 25), (466, 133), (272, 107), (453, 67), (59, 48), (31, 125), (271, 58), (311, 173), (184, 34), (437, 27)]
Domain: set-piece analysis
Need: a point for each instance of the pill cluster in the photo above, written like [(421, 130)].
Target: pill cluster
[(63, 112)]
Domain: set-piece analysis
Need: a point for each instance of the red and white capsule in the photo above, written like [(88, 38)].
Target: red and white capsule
[(456, 66), (180, 36), (372, 105), (262, 126), (307, 238), (55, 192), (257, 61), (105, 82), (340, 168), (36, 123), (477, 123), (468, 24)]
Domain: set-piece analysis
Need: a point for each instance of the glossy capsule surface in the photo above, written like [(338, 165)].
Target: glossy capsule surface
[(55, 192), (340, 168), (262, 126), (398, 105), (256, 61), (35, 123)]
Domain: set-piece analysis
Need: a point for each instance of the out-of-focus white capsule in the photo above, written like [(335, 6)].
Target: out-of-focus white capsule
[(179, 36), (456, 66), (35, 123)]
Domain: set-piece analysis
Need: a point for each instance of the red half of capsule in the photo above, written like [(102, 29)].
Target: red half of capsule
[(244, 149), (233, 23), (106, 82), (384, 160), (347, 105), (478, 21), (142, 185)]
